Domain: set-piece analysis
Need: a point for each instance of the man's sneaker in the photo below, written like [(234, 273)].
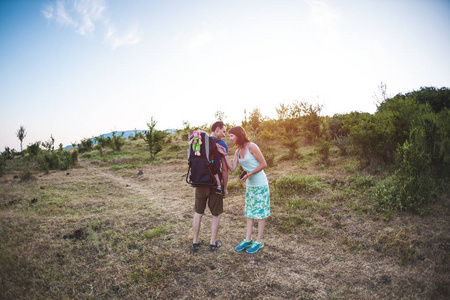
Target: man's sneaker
[(244, 244), (255, 247), (219, 190)]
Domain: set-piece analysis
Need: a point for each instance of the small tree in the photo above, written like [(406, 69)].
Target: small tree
[(116, 142), (21, 134), (154, 138), (50, 144)]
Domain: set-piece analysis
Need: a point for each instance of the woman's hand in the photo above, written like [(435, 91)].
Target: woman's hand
[(244, 178), (221, 149)]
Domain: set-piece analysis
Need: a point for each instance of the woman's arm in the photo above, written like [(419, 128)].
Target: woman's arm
[(254, 149), (232, 165)]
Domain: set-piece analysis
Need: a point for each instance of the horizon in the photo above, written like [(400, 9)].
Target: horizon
[(74, 69)]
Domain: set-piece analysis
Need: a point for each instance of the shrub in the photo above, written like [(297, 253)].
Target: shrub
[(57, 160), (323, 148), (116, 142), (7, 154), (154, 138), (102, 142), (25, 175), (412, 186), (33, 149), (85, 146), (2, 165), (343, 143)]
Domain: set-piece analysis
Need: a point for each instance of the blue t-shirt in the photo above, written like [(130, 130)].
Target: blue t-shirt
[(218, 155)]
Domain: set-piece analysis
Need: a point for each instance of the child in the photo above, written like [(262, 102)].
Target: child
[(195, 139)]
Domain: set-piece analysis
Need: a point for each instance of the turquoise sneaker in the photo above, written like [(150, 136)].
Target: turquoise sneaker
[(255, 247), (244, 244)]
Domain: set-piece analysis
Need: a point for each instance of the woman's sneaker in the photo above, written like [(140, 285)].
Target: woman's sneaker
[(244, 244), (255, 247)]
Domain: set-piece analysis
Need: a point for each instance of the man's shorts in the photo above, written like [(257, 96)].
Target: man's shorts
[(208, 195)]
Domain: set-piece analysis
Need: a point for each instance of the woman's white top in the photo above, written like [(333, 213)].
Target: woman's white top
[(250, 163)]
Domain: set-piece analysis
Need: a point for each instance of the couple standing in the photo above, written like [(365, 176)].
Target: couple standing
[(257, 198)]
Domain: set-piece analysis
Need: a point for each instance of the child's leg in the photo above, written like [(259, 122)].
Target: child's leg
[(217, 179)]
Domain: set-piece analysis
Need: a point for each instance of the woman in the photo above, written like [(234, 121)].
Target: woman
[(257, 198)]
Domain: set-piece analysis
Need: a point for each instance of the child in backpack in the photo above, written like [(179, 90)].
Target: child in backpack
[(195, 139)]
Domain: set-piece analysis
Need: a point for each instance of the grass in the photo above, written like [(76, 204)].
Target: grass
[(99, 230)]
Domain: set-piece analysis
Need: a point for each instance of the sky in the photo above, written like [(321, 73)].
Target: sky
[(76, 69)]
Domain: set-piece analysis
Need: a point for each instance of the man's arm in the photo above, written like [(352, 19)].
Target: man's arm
[(224, 177)]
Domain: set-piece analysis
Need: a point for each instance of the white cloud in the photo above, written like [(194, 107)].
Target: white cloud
[(325, 17), (131, 38), (62, 16), (48, 12), (84, 15), (199, 40)]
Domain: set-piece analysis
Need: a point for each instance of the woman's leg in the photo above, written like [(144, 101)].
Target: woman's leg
[(261, 225), (250, 223)]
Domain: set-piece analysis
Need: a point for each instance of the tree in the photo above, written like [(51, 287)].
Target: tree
[(220, 116), (154, 138), (50, 144), (21, 134)]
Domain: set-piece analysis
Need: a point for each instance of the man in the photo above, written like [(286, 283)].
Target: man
[(208, 195)]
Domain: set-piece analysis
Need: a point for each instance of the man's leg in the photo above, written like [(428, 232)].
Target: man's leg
[(196, 227), (214, 229)]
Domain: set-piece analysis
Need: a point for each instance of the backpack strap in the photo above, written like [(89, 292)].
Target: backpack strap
[(206, 142)]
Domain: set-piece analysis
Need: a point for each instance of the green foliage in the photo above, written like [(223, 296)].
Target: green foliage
[(343, 144), (116, 142), (290, 223), (2, 165), (85, 146), (438, 99), (361, 181), (25, 175), (7, 154), (34, 149), (323, 148), (293, 184), (154, 138), (102, 143), (50, 144), (57, 160), (21, 134), (412, 186)]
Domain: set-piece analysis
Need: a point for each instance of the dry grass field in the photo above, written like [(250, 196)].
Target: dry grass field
[(102, 230)]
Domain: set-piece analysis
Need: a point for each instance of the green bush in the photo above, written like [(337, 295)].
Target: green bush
[(343, 143), (57, 160), (412, 186), (85, 146), (102, 142), (323, 148), (33, 149), (25, 175), (116, 142), (2, 165)]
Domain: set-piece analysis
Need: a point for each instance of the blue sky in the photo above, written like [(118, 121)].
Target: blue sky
[(77, 69)]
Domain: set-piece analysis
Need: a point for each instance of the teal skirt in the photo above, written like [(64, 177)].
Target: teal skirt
[(257, 202)]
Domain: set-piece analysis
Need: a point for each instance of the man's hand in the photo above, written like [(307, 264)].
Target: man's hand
[(225, 193)]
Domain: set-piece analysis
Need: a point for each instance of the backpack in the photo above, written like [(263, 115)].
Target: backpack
[(200, 167)]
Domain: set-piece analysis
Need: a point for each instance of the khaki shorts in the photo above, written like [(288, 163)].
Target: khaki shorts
[(208, 195)]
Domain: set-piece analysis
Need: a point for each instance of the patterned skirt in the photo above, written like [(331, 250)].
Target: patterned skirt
[(257, 202)]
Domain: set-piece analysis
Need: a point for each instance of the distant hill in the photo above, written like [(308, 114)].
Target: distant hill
[(126, 135)]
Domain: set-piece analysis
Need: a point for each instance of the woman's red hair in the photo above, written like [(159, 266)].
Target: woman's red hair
[(241, 135)]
